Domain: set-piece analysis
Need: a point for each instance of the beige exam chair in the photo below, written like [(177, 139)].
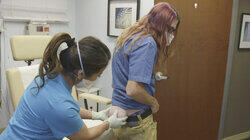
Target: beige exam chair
[(25, 48), (28, 48)]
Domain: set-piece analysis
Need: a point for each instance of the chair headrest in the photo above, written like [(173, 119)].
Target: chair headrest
[(28, 47)]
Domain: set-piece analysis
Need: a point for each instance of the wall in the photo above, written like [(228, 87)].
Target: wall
[(237, 114), (18, 28), (86, 18), (91, 17)]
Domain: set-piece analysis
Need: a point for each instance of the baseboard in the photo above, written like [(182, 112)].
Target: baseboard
[(241, 136)]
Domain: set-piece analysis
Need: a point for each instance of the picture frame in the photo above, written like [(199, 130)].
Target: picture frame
[(244, 42), (121, 15)]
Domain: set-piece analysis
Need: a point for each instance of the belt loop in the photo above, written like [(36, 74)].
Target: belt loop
[(140, 119)]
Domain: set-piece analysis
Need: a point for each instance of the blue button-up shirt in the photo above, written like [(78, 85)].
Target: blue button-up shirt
[(136, 64)]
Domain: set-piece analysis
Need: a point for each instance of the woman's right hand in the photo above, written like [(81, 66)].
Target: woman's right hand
[(155, 106), (115, 122)]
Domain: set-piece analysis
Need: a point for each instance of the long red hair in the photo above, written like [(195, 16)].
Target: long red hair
[(156, 23)]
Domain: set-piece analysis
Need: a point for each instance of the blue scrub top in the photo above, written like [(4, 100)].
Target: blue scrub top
[(51, 114), (136, 64)]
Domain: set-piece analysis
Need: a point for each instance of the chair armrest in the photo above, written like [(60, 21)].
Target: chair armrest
[(96, 98)]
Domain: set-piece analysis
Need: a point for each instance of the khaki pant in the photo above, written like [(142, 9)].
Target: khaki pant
[(146, 130)]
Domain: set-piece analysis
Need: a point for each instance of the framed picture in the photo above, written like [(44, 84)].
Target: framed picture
[(245, 32), (121, 15)]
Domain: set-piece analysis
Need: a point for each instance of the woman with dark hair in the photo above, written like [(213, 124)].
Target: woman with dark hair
[(47, 109), (139, 48)]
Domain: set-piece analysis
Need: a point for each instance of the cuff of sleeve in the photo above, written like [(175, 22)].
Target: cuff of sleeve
[(139, 79), (77, 130), (94, 115)]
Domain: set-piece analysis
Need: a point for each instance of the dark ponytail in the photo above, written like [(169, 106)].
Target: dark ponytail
[(95, 55)]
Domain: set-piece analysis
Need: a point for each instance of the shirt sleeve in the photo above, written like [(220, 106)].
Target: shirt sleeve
[(141, 63), (64, 121)]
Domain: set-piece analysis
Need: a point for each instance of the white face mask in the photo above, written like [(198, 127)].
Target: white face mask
[(169, 39), (85, 83), (88, 84), (80, 84)]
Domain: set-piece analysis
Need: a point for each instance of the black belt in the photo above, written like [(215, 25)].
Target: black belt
[(144, 115)]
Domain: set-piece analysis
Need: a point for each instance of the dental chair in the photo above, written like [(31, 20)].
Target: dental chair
[(28, 48)]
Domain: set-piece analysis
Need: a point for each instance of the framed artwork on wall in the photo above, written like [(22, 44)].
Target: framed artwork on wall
[(121, 15), (244, 42)]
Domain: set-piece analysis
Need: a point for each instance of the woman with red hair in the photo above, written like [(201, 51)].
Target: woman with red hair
[(138, 50)]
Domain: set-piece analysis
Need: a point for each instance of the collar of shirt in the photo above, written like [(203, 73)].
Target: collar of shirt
[(65, 84)]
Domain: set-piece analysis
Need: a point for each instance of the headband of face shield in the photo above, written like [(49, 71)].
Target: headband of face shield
[(84, 82)]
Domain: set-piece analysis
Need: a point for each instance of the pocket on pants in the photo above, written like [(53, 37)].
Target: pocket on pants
[(155, 124), (137, 129), (151, 131)]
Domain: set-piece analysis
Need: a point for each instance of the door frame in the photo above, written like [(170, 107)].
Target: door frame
[(228, 68)]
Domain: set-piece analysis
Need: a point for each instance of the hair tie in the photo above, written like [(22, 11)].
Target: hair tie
[(71, 42)]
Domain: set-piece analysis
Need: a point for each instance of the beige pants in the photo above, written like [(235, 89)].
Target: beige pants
[(145, 131)]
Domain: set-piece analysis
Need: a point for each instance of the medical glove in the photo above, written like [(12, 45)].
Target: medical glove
[(102, 115), (115, 122)]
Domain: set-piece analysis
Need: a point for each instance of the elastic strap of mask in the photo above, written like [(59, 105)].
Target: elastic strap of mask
[(79, 54)]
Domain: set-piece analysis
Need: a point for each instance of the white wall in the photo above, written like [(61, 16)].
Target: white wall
[(87, 17), (18, 28), (91, 17)]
